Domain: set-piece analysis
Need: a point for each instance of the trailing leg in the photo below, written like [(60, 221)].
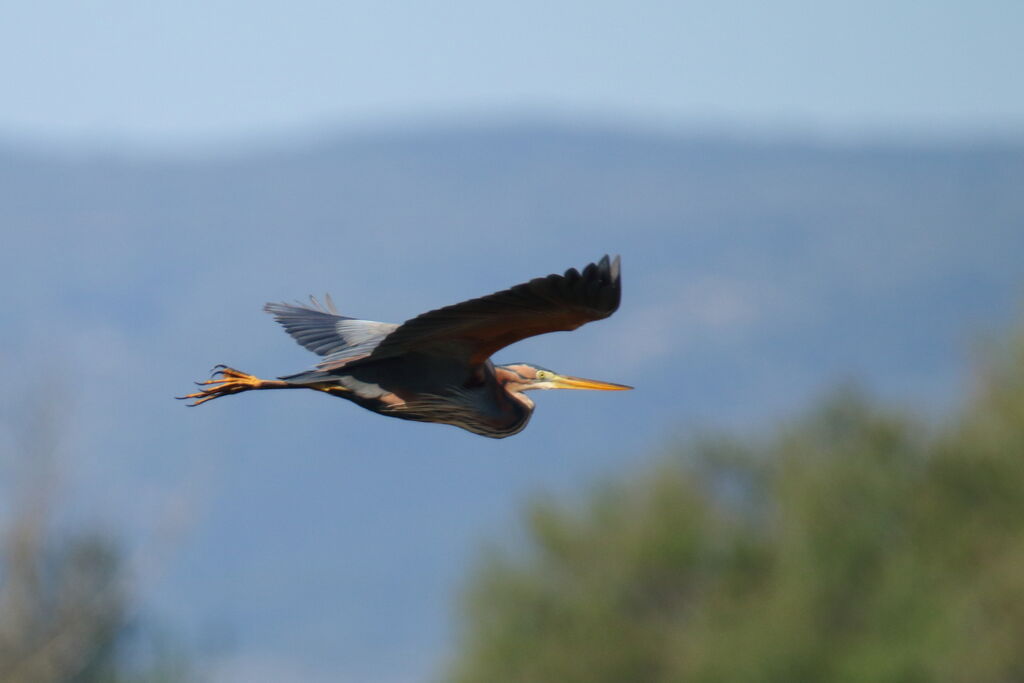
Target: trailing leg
[(227, 381)]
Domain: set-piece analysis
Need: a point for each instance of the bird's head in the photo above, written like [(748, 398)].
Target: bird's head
[(517, 377)]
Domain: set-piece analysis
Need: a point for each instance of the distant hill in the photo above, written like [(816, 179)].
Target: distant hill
[(755, 273)]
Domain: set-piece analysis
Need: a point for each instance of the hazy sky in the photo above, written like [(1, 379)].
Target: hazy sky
[(162, 72)]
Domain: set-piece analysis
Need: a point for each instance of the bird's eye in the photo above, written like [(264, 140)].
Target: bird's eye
[(543, 374)]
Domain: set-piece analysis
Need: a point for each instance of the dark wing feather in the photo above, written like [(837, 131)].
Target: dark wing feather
[(320, 328), (475, 329)]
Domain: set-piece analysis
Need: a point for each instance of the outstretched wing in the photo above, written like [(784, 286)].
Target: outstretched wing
[(320, 328), (473, 330)]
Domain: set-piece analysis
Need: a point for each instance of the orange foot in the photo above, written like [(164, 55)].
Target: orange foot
[(224, 381)]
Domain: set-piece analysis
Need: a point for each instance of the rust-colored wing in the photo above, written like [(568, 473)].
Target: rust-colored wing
[(475, 329)]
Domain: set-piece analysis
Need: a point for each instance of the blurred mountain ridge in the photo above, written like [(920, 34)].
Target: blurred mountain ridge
[(755, 274)]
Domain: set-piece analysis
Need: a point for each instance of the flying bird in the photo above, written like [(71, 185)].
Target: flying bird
[(436, 367)]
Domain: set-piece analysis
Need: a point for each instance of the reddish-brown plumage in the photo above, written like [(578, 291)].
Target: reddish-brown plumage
[(436, 367)]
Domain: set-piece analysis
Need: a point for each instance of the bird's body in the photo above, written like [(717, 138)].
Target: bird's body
[(436, 367)]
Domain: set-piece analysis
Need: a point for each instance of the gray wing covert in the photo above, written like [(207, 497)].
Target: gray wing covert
[(319, 328)]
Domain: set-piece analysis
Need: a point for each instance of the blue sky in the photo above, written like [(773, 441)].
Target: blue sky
[(190, 72)]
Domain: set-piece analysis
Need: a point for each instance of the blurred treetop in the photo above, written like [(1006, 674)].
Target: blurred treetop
[(854, 545), (68, 613)]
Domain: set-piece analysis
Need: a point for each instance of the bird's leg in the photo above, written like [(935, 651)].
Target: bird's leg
[(227, 381), (332, 389)]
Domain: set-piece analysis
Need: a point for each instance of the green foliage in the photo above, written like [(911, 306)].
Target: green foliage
[(67, 612), (854, 545)]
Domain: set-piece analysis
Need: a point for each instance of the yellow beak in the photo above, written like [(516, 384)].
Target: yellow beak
[(565, 382)]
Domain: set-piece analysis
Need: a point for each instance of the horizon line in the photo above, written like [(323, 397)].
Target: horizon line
[(218, 145)]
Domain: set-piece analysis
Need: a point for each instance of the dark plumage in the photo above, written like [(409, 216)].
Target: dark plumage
[(436, 367)]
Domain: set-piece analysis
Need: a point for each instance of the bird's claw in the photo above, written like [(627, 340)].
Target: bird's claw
[(223, 382)]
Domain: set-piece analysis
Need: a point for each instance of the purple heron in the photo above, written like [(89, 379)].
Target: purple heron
[(436, 367)]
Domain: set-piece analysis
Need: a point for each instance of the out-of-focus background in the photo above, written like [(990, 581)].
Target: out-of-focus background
[(820, 213)]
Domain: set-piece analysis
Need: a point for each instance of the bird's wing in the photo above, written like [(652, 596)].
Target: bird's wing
[(475, 329), (320, 328)]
